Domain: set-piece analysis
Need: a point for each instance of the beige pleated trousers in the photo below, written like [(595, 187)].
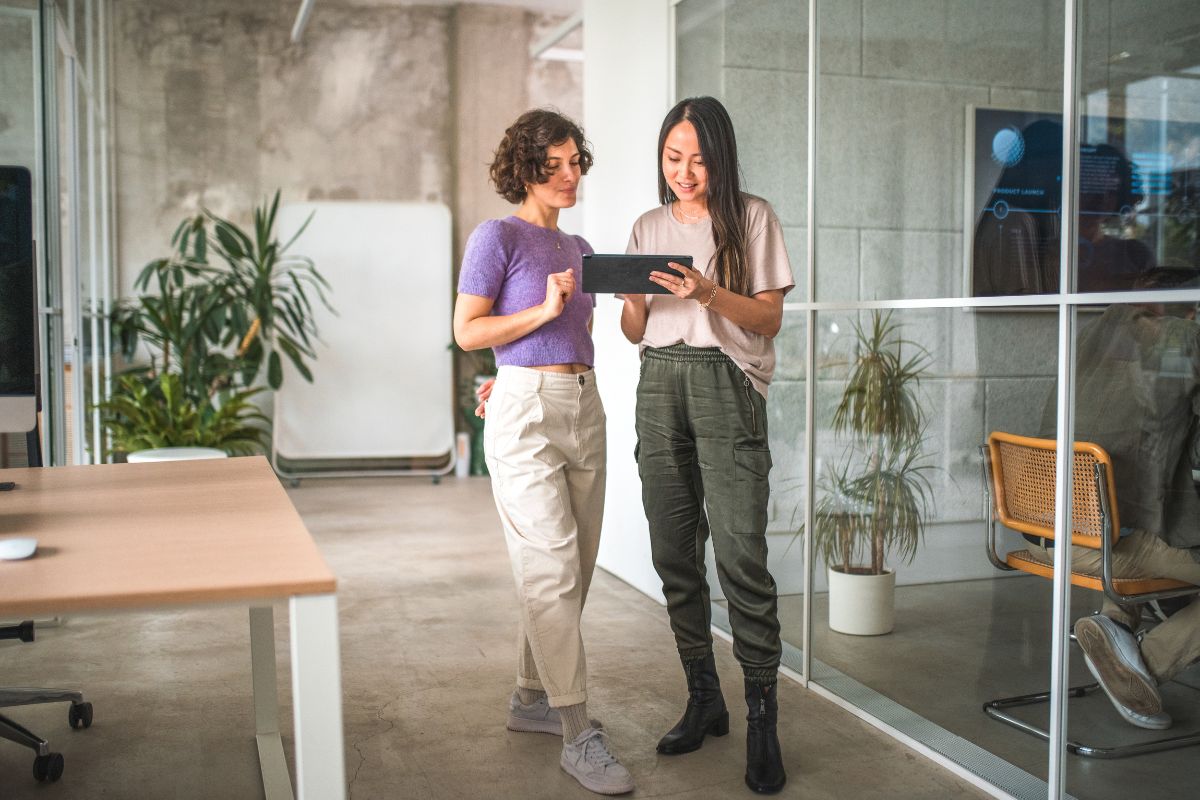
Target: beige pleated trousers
[(544, 439)]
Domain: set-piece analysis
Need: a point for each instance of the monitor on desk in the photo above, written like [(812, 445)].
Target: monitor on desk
[(18, 346)]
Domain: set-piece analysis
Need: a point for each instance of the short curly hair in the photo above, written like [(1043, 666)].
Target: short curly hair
[(521, 157)]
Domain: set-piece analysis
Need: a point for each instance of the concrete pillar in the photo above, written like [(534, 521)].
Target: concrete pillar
[(490, 74)]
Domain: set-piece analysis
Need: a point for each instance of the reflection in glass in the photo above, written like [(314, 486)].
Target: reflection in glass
[(1139, 205), (898, 87), (749, 54), (875, 497), (79, 27), (1138, 397), (65, 156), (1018, 199), (88, 362), (963, 632), (1139, 97), (699, 34), (940, 177), (1136, 389), (752, 56)]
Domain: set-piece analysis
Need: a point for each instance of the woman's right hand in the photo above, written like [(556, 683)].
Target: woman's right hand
[(482, 393), (559, 288)]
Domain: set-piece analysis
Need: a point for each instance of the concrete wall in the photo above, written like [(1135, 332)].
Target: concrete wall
[(17, 117), (491, 85), (215, 107)]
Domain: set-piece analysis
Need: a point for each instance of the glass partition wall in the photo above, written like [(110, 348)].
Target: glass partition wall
[(77, 94), (1136, 357), (54, 114), (935, 133)]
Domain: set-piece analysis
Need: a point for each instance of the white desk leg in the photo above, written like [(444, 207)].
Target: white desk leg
[(317, 698), (276, 783)]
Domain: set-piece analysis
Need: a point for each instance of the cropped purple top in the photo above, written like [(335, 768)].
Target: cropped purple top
[(508, 261)]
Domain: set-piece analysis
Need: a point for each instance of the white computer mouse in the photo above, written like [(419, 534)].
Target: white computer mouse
[(16, 549)]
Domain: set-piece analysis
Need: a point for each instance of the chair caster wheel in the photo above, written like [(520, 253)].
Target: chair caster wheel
[(79, 715), (48, 768)]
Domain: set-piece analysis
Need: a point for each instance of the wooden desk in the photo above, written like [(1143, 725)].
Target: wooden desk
[(144, 536)]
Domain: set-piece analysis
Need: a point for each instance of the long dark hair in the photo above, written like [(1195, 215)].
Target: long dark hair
[(726, 204)]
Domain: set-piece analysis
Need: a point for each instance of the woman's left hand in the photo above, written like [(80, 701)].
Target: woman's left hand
[(692, 286)]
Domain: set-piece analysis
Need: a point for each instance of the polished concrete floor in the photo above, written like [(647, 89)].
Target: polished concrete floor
[(427, 609), (958, 645)]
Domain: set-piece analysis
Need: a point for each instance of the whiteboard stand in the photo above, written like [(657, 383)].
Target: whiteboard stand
[(382, 396)]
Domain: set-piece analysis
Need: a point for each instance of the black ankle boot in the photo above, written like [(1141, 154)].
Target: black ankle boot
[(705, 713), (764, 761)]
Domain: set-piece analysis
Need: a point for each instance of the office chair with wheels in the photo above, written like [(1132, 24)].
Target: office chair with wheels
[(47, 766), (1019, 480)]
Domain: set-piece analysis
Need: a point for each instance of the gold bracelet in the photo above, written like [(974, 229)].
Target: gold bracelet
[(712, 296)]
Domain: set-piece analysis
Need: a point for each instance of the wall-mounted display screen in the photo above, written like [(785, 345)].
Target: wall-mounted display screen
[(1139, 200)]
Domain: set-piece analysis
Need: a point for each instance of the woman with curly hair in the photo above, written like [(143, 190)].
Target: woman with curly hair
[(544, 435)]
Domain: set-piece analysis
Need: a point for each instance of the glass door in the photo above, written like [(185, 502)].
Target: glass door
[(77, 222)]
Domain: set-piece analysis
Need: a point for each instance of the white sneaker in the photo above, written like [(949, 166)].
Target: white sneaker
[(537, 717), (589, 761), (1153, 722), (1113, 657)]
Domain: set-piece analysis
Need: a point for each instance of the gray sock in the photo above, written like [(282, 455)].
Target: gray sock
[(529, 696), (574, 720)]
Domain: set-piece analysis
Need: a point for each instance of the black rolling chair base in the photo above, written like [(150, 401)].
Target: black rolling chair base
[(47, 766)]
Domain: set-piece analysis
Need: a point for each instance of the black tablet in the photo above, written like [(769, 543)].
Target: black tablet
[(624, 274)]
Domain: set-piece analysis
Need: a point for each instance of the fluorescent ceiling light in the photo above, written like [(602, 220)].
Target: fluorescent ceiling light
[(562, 54), (301, 20), (540, 48)]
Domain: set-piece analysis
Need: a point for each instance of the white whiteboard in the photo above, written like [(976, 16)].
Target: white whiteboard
[(383, 378)]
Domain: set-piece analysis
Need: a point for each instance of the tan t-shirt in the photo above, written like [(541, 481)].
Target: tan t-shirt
[(674, 321)]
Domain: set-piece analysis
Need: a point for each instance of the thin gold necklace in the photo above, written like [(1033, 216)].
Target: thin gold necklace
[(685, 215)]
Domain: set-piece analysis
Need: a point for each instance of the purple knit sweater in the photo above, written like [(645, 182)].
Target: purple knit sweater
[(507, 261)]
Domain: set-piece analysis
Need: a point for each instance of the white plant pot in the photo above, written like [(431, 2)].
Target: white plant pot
[(862, 605), (175, 454)]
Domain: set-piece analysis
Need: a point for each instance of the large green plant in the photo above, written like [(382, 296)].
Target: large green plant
[(874, 501), (217, 315), (147, 412)]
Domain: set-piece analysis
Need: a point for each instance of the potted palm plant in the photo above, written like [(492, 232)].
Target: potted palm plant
[(874, 501), (209, 332)]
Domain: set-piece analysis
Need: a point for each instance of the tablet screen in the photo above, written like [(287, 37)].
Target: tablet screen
[(627, 274)]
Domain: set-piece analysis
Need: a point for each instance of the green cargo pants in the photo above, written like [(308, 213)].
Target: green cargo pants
[(703, 458)]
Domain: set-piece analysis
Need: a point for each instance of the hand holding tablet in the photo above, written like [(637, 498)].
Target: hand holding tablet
[(627, 274)]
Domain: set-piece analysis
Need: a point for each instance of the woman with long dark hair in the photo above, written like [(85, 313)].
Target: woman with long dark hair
[(544, 436), (707, 360)]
